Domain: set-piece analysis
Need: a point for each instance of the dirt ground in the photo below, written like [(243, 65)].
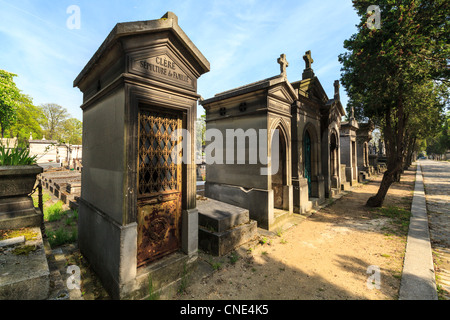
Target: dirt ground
[(329, 255)]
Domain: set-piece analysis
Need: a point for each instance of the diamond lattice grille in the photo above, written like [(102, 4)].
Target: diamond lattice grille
[(158, 145)]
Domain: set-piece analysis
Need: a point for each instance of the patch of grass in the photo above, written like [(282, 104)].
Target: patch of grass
[(152, 294), (397, 275), (61, 236), (264, 241), (54, 212), (441, 292), (234, 257), (279, 232), (45, 197), (399, 217), (72, 218), (184, 280), (283, 241), (216, 265)]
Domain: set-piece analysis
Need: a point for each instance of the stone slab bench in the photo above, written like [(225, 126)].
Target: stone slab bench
[(223, 227)]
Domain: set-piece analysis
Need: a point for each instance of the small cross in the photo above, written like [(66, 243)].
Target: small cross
[(309, 61), (283, 63), (336, 88)]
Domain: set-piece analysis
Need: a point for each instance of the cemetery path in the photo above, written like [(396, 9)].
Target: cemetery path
[(436, 178), (331, 255)]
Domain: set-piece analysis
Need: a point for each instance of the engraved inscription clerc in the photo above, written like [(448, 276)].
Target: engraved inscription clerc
[(165, 67)]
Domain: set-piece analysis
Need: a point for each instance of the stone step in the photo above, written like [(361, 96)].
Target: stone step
[(15, 204), (362, 176), (25, 276), (18, 213), (58, 288), (25, 218), (223, 227), (315, 202), (222, 243), (219, 216), (345, 185), (280, 217), (334, 192)]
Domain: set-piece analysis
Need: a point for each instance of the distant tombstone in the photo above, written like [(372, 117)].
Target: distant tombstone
[(349, 154), (364, 135), (138, 199)]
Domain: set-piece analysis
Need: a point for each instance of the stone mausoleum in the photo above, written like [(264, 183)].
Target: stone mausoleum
[(138, 221), (307, 125)]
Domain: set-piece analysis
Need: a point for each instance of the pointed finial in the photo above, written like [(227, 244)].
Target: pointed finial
[(336, 89)]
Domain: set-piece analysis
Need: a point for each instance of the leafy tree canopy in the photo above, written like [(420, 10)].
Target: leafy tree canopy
[(9, 96)]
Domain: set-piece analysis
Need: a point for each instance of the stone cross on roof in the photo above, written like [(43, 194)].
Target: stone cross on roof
[(283, 63), (308, 59), (308, 73)]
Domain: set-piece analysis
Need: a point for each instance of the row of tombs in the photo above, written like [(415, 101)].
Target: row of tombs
[(139, 217)]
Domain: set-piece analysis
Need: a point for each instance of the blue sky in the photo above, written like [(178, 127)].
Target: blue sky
[(241, 39)]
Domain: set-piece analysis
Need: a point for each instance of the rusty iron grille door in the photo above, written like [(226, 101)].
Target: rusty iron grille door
[(159, 197)]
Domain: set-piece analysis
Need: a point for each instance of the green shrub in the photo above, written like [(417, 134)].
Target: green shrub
[(61, 236), (45, 198), (15, 157), (72, 217), (54, 212)]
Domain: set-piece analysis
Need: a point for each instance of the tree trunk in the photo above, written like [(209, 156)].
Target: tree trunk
[(378, 199), (394, 138), (409, 152)]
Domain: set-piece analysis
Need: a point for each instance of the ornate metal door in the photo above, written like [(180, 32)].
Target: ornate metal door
[(307, 152), (160, 187)]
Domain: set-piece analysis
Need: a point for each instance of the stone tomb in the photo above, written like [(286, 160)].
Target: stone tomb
[(363, 137), (255, 110), (349, 154), (316, 122), (138, 220), (308, 123)]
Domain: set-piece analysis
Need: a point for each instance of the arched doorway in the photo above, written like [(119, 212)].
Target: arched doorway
[(333, 155), (279, 179), (307, 162)]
